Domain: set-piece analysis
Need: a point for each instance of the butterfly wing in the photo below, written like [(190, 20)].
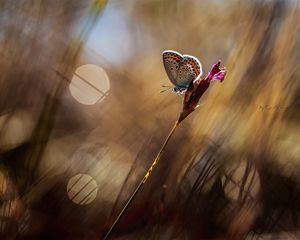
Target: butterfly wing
[(172, 61), (189, 69)]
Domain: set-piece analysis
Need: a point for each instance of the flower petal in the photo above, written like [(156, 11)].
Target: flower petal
[(219, 76), (216, 73)]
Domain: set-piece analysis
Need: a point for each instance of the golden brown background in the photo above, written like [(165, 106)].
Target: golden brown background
[(72, 150)]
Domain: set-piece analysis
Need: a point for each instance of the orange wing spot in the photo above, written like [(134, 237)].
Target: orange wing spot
[(173, 57), (194, 66)]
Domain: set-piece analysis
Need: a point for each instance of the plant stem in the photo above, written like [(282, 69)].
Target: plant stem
[(143, 180)]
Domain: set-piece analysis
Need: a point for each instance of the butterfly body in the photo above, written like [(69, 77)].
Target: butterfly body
[(181, 69)]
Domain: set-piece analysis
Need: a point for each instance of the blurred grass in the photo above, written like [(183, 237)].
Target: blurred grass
[(250, 120)]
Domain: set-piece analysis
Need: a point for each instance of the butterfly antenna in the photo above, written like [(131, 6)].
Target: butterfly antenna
[(165, 90), (168, 88)]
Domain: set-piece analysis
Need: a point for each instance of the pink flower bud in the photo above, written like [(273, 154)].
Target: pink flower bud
[(216, 73)]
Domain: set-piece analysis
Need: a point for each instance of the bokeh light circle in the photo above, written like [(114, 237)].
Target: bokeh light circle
[(89, 85), (82, 189)]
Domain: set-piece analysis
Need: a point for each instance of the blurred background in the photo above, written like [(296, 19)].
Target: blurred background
[(82, 117)]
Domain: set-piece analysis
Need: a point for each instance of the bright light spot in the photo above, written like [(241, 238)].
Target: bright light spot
[(109, 167), (89, 85), (82, 189), (16, 129)]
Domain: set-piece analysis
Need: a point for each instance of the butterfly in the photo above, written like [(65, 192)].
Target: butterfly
[(181, 69)]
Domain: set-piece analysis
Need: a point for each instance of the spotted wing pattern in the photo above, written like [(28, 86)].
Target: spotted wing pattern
[(181, 70), (172, 60)]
